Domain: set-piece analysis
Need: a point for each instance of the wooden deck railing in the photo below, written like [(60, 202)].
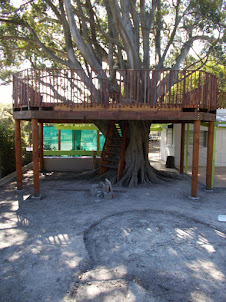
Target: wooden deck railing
[(115, 88)]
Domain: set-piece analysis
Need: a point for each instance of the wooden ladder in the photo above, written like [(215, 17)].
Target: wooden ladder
[(113, 154)]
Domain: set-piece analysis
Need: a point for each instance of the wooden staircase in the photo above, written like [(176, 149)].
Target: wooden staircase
[(113, 154)]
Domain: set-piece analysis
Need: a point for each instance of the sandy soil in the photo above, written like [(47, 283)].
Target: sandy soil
[(147, 244)]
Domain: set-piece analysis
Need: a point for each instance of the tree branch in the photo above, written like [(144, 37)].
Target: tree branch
[(177, 21), (46, 50), (158, 33), (185, 49), (33, 43), (86, 53), (125, 31), (136, 23), (96, 25), (146, 20)]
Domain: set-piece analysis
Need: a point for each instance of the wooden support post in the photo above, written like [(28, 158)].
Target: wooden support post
[(59, 139), (182, 141), (18, 155), (209, 156), (42, 168), (98, 140), (35, 157), (195, 159)]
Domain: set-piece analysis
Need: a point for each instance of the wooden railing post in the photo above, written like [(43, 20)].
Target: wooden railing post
[(35, 157), (162, 89), (195, 159), (182, 147), (18, 155), (209, 155)]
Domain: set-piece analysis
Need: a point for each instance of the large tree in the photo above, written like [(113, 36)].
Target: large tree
[(86, 34)]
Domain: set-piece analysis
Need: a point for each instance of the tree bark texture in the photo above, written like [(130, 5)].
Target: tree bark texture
[(137, 168)]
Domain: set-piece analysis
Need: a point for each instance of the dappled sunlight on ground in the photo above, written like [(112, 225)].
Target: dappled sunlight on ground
[(201, 267), (219, 176), (146, 244), (176, 259)]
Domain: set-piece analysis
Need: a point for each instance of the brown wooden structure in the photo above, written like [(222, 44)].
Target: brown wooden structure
[(69, 96)]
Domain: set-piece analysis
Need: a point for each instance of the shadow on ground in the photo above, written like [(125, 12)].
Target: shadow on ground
[(147, 244)]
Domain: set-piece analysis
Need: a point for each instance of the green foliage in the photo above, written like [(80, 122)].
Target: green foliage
[(7, 150), (220, 72), (17, 44), (7, 141), (214, 64)]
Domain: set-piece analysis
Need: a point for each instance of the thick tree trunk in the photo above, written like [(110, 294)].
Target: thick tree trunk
[(137, 169)]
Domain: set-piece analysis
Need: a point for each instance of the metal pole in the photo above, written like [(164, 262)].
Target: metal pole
[(19, 174), (41, 147), (209, 156), (35, 157), (214, 148), (187, 144), (195, 159), (182, 147)]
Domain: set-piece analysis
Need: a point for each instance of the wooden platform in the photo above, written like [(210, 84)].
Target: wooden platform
[(73, 96), (158, 95)]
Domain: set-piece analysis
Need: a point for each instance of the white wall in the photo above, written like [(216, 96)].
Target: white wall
[(83, 163), (220, 152), (174, 150), (166, 150)]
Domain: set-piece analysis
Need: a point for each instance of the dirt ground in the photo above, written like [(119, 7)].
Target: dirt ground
[(147, 244)]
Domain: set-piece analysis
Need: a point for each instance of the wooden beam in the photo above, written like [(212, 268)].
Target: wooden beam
[(195, 159), (117, 114), (182, 141), (22, 115), (35, 158), (42, 168), (209, 155), (19, 174)]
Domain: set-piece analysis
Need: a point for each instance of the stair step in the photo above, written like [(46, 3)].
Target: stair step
[(112, 159), (118, 146), (112, 152), (110, 167)]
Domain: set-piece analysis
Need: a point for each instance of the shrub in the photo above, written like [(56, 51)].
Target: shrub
[(7, 143)]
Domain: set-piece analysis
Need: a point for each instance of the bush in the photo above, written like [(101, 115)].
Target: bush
[(7, 143)]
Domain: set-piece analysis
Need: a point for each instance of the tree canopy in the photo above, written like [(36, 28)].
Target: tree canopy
[(132, 34), (7, 141)]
